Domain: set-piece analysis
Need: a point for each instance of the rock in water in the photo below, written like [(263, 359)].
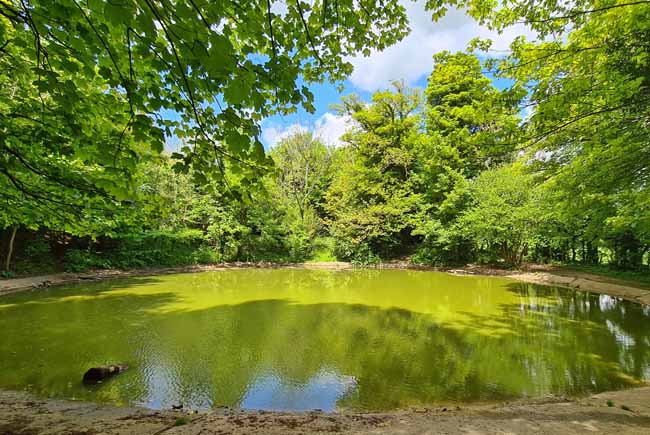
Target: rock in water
[(98, 374)]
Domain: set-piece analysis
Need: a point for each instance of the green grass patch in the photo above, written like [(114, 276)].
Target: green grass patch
[(181, 421)]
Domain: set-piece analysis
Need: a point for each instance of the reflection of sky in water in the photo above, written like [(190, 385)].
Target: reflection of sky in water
[(320, 392), (268, 391), (621, 337)]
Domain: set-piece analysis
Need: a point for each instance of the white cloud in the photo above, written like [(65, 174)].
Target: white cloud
[(411, 58), (329, 128), (273, 133)]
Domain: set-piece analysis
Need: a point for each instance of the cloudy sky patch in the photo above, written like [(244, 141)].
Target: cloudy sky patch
[(410, 60)]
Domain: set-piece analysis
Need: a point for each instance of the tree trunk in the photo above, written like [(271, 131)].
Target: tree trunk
[(573, 250), (592, 252), (10, 248)]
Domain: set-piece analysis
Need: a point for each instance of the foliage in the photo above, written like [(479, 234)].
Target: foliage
[(503, 214), (303, 163), (471, 126), (150, 249), (180, 421), (374, 218), (221, 66), (588, 131), (553, 167), (323, 250)]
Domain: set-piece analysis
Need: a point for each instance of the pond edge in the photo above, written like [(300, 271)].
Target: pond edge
[(543, 276)]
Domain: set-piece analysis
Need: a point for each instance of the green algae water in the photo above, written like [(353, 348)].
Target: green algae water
[(297, 339)]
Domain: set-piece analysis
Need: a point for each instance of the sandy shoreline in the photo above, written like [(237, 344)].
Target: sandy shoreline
[(21, 413)]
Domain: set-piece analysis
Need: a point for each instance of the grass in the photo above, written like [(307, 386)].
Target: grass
[(180, 421), (610, 403)]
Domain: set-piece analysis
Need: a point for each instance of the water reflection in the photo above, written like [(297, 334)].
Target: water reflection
[(299, 339)]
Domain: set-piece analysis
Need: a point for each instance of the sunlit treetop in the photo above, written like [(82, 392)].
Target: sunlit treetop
[(546, 17)]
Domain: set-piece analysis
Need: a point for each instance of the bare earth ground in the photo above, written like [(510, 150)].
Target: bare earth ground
[(24, 414), (21, 413)]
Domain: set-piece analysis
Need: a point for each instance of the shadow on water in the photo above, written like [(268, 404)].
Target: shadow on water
[(286, 354)]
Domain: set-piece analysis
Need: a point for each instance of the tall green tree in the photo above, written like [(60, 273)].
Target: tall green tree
[(88, 90), (503, 214), (373, 197), (303, 168), (588, 131), (471, 126)]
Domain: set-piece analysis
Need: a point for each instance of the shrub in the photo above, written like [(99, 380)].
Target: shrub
[(147, 249)]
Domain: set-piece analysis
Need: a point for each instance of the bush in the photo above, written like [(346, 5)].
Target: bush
[(79, 260), (358, 254), (148, 249), (323, 249)]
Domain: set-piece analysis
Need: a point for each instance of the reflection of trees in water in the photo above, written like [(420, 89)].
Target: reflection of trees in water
[(551, 341), (627, 340)]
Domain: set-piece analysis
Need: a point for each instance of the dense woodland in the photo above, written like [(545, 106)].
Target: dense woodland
[(554, 167)]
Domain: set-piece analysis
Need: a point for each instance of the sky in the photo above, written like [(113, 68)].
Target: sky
[(410, 60)]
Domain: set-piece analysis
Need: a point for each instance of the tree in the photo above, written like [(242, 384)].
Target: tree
[(372, 198), (471, 126), (303, 164), (66, 160), (588, 131), (88, 90), (503, 214), (222, 67)]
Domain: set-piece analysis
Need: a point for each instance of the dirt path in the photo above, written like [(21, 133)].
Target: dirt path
[(21, 413)]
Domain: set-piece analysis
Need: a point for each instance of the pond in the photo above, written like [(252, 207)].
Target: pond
[(298, 339)]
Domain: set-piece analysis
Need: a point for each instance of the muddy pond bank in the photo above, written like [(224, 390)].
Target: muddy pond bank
[(629, 413)]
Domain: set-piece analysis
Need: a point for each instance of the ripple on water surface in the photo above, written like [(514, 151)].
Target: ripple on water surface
[(295, 339)]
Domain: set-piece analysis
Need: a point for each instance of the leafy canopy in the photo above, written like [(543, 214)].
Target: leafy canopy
[(222, 66)]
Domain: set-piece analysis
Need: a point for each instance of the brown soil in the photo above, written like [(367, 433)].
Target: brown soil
[(586, 282), (21, 413)]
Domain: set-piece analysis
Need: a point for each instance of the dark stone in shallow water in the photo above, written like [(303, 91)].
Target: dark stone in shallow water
[(98, 374)]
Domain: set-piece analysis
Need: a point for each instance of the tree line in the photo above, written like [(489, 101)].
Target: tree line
[(552, 167)]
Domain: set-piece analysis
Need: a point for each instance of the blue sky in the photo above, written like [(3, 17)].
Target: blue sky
[(410, 60)]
